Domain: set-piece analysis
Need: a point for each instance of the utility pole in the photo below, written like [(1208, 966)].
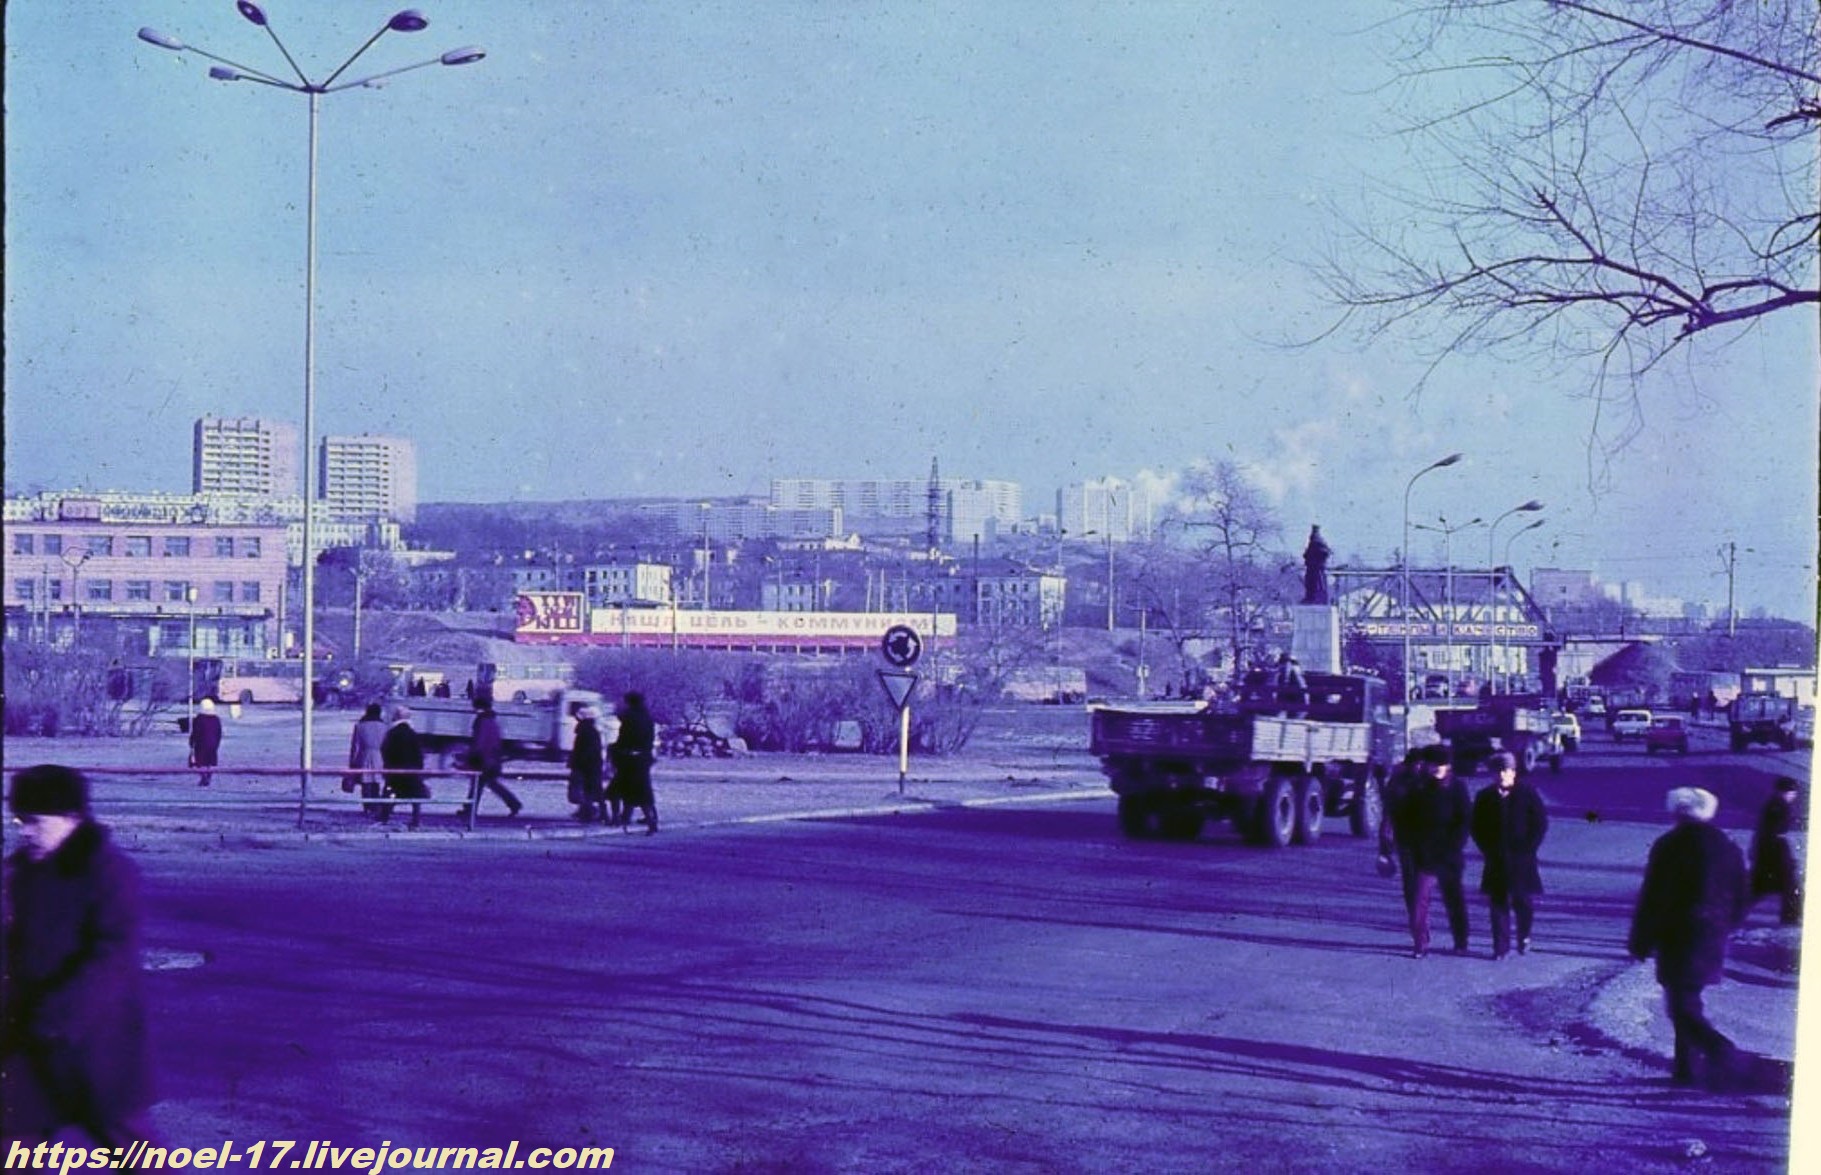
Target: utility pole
[(1730, 553)]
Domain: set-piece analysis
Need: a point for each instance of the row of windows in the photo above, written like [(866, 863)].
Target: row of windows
[(175, 591), (138, 545)]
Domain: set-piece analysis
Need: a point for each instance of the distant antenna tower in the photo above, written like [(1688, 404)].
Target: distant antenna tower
[(935, 508)]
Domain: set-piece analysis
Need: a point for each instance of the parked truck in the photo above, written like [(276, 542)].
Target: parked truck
[(1275, 775), (1761, 718), (542, 730), (1517, 723)]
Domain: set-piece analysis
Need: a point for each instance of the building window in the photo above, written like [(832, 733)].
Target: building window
[(22, 544), (139, 546), (25, 589), (224, 546), (249, 591), (176, 591), (224, 591), (101, 590), (139, 589), (249, 546), (53, 544), (56, 590), (101, 544), (177, 546)]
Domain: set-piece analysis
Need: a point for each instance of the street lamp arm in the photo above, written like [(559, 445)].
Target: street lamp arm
[(152, 36), (222, 73), (376, 81)]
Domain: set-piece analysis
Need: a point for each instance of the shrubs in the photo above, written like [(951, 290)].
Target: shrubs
[(53, 691)]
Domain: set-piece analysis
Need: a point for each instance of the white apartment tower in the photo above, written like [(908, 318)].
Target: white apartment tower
[(248, 456), (370, 475), (1109, 507)]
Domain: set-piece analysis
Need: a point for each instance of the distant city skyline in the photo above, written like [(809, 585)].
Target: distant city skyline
[(646, 250)]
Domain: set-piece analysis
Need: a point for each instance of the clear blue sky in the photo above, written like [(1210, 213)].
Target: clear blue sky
[(685, 248)]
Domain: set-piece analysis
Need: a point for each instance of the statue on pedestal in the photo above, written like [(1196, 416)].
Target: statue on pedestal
[(1315, 568)]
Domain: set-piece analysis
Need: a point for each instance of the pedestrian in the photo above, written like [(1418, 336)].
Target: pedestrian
[(487, 754), (632, 754), (365, 761), (1694, 894), (1431, 822), (1393, 855), (73, 1040), (585, 767), (402, 753), (205, 740), (1773, 863), (1509, 823)]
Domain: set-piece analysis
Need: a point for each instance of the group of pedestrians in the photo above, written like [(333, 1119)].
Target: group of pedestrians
[(613, 799), (1697, 886), (1430, 817)]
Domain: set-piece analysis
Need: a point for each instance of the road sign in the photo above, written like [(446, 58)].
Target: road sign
[(898, 686), (901, 646)]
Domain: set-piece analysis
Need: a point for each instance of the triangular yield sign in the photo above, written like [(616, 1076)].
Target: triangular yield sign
[(898, 686)]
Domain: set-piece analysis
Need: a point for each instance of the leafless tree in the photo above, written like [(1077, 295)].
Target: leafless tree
[(1597, 180), (1229, 522)]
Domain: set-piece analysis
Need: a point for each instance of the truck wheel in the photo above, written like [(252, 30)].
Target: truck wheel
[(1183, 824), (1140, 817), (1274, 822), (1527, 758), (1309, 805), (1368, 808)]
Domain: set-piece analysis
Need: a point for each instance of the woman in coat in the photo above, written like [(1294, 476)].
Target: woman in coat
[(365, 753), (73, 1050), (585, 766), (632, 754), (403, 755), (1509, 824), (1773, 862)]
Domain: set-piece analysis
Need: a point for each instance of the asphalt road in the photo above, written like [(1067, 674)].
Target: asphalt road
[(996, 989)]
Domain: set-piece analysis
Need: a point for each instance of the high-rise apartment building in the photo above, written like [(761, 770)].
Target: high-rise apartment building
[(968, 508), (1110, 507), (370, 474), (246, 455)]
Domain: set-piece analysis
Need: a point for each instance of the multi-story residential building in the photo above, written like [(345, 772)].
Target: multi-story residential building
[(368, 474), (968, 508), (246, 455), (327, 527), (737, 520), (1108, 507), (1008, 594), (609, 585), (144, 586)]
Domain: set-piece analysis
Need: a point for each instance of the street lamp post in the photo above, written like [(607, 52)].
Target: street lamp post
[(705, 556), (189, 599), (1448, 532), (1514, 538), (1492, 581), (1404, 552), (409, 20), (74, 561)]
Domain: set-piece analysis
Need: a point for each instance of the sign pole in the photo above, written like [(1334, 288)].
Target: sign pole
[(903, 746)]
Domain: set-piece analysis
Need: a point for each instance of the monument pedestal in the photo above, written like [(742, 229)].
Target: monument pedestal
[(1315, 637)]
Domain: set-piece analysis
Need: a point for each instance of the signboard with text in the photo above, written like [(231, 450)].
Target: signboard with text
[(1463, 630)]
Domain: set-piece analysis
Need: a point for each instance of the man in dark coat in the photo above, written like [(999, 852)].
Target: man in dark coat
[(1509, 824), (1393, 856), (205, 740), (400, 752), (632, 754), (1431, 824), (1773, 862), (73, 1051), (487, 754), (1694, 894), (585, 766)]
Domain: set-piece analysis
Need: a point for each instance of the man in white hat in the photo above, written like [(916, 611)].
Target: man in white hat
[(1694, 894)]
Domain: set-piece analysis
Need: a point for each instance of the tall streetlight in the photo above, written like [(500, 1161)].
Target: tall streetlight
[(189, 599), (409, 20), (74, 561), (1514, 538), (1492, 578), (1448, 532), (1404, 604)]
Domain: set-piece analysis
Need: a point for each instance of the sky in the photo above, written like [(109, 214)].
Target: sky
[(685, 248)]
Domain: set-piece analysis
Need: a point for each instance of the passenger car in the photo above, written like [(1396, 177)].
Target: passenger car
[(1630, 723), (1568, 729), (1668, 733)]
